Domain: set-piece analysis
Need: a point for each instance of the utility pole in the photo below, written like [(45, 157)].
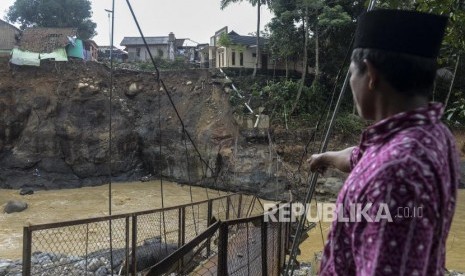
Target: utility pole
[(110, 25)]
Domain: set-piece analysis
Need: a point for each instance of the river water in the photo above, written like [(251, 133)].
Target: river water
[(87, 202)]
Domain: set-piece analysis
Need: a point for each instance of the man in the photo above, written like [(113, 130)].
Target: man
[(405, 170)]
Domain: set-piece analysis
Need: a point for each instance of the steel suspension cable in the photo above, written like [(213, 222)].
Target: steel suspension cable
[(327, 106), (312, 139), (164, 87), (314, 176), (160, 82), (190, 186), (160, 171), (110, 231)]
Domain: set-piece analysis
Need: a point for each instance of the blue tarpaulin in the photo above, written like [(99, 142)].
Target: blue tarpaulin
[(77, 50)]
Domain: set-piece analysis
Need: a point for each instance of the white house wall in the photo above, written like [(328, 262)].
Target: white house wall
[(224, 57), (144, 55)]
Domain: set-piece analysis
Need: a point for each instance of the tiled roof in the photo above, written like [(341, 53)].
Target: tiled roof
[(45, 40), (151, 40), (244, 39)]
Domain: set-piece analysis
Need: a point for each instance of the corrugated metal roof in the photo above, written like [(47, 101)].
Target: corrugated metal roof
[(45, 40), (151, 40)]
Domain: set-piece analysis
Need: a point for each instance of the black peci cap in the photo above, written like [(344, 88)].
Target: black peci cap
[(401, 31)]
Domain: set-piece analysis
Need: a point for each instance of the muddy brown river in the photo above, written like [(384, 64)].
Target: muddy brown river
[(87, 202), (69, 204)]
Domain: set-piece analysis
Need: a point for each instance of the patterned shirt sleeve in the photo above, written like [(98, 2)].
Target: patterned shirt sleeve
[(399, 239), (355, 157)]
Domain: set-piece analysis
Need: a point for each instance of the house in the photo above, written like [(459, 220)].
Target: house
[(202, 57), (118, 54), (9, 35), (45, 40), (160, 46), (239, 53), (187, 49), (59, 44), (90, 50), (164, 47)]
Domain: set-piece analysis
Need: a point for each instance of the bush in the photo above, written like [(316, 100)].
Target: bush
[(455, 114), (349, 125)]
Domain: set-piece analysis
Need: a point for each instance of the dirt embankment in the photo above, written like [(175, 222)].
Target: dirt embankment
[(55, 124), (55, 131)]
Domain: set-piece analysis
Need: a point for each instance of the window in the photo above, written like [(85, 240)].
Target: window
[(233, 59), (138, 52), (254, 55), (241, 59), (160, 53)]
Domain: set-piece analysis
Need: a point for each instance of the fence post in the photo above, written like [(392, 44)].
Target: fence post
[(134, 245), (228, 202), (27, 248), (223, 249), (182, 226), (181, 233), (239, 206), (280, 246), (264, 248), (209, 220), (288, 231), (126, 263), (210, 212)]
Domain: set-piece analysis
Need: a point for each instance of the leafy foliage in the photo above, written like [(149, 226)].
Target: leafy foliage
[(331, 27), (349, 126), (456, 113), (333, 17), (454, 40), (224, 40), (55, 14)]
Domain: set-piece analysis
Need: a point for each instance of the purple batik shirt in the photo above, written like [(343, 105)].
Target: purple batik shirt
[(406, 169)]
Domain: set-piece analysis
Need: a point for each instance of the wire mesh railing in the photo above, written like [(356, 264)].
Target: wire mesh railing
[(138, 240), (239, 246)]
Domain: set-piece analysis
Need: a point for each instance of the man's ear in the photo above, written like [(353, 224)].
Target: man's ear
[(372, 73)]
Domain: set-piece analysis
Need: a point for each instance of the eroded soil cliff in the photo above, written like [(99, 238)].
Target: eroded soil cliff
[(55, 131)]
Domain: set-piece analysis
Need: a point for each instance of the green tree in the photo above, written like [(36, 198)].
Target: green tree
[(284, 40), (453, 47), (54, 13), (317, 18), (317, 32), (454, 40), (258, 4), (224, 40)]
